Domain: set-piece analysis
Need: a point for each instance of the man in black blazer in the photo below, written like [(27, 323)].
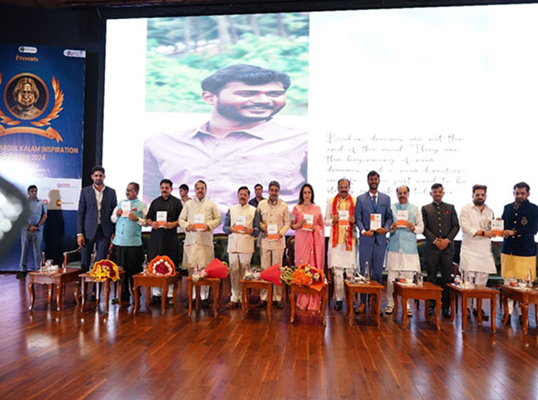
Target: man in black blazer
[(440, 228), (94, 227)]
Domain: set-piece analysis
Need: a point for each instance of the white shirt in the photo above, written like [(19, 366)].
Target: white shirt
[(476, 252)]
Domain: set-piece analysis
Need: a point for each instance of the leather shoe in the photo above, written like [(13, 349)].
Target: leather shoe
[(509, 321), (231, 304), (262, 303), (21, 275), (446, 313), (431, 311), (278, 304), (155, 300), (338, 306), (360, 309), (205, 303), (485, 317)]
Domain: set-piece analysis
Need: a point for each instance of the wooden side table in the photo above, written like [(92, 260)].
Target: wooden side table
[(372, 287), (296, 289), (149, 281), (524, 297), (479, 293), (428, 291), (246, 286), (86, 277), (60, 279), (213, 283)]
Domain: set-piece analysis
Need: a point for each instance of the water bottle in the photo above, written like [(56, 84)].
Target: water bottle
[(457, 280), (401, 277), (367, 272), (529, 278), (145, 270)]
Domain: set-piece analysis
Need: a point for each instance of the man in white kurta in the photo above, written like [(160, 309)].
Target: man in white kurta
[(476, 256), (199, 218), (242, 224), (340, 216), (274, 223), (402, 252)]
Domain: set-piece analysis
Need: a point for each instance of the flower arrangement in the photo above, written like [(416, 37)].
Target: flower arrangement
[(198, 275), (305, 275), (105, 269), (162, 266), (287, 275), (252, 274)]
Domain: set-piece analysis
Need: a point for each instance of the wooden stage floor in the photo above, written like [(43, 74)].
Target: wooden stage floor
[(68, 355)]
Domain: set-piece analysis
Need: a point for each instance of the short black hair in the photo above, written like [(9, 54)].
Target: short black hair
[(258, 184), (31, 187), (437, 186), (200, 181), (98, 168), (184, 186), (373, 173), (274, 183), (165, 180), (480, 187), (136, 186), (405, 186), (243, 188), (249, 74), (522, 185)]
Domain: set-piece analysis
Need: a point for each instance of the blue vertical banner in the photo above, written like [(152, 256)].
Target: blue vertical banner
[(41, 131)]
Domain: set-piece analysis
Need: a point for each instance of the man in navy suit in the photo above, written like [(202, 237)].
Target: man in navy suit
[(372, 242), (94, 227)]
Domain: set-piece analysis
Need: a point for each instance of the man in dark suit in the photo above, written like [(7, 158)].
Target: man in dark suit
[(94, 227), (440, 228), (372, 242)]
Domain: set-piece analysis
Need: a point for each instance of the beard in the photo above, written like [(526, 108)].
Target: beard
[(233, 113)]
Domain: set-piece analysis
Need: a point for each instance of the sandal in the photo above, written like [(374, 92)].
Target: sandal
[(409, 312), (389, 309)]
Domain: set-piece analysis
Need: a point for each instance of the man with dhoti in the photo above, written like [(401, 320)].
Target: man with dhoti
[(402, 252), (342, 256), (476, 257)]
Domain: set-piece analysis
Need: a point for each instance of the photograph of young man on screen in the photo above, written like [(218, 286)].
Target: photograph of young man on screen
[(239, 145)]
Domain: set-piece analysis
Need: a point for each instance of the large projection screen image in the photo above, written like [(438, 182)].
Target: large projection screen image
[(419, 95)]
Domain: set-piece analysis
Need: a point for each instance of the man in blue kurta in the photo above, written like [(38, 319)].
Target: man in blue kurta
[(372, 207), (518, 253), (129, 217), (32, 231), (402, 252)]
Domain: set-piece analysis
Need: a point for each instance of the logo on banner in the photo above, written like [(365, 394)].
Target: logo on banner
[(26, 97)]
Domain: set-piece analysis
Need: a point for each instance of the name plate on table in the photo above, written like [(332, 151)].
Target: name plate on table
[(309, 222), (402, 217), (125, 208), (241, 223), (343, 218), (199, 222), (272, 232), (375, 222), (497, 227), (161, 218)]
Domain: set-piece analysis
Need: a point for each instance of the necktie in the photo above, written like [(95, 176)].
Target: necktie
[(374, 206)]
